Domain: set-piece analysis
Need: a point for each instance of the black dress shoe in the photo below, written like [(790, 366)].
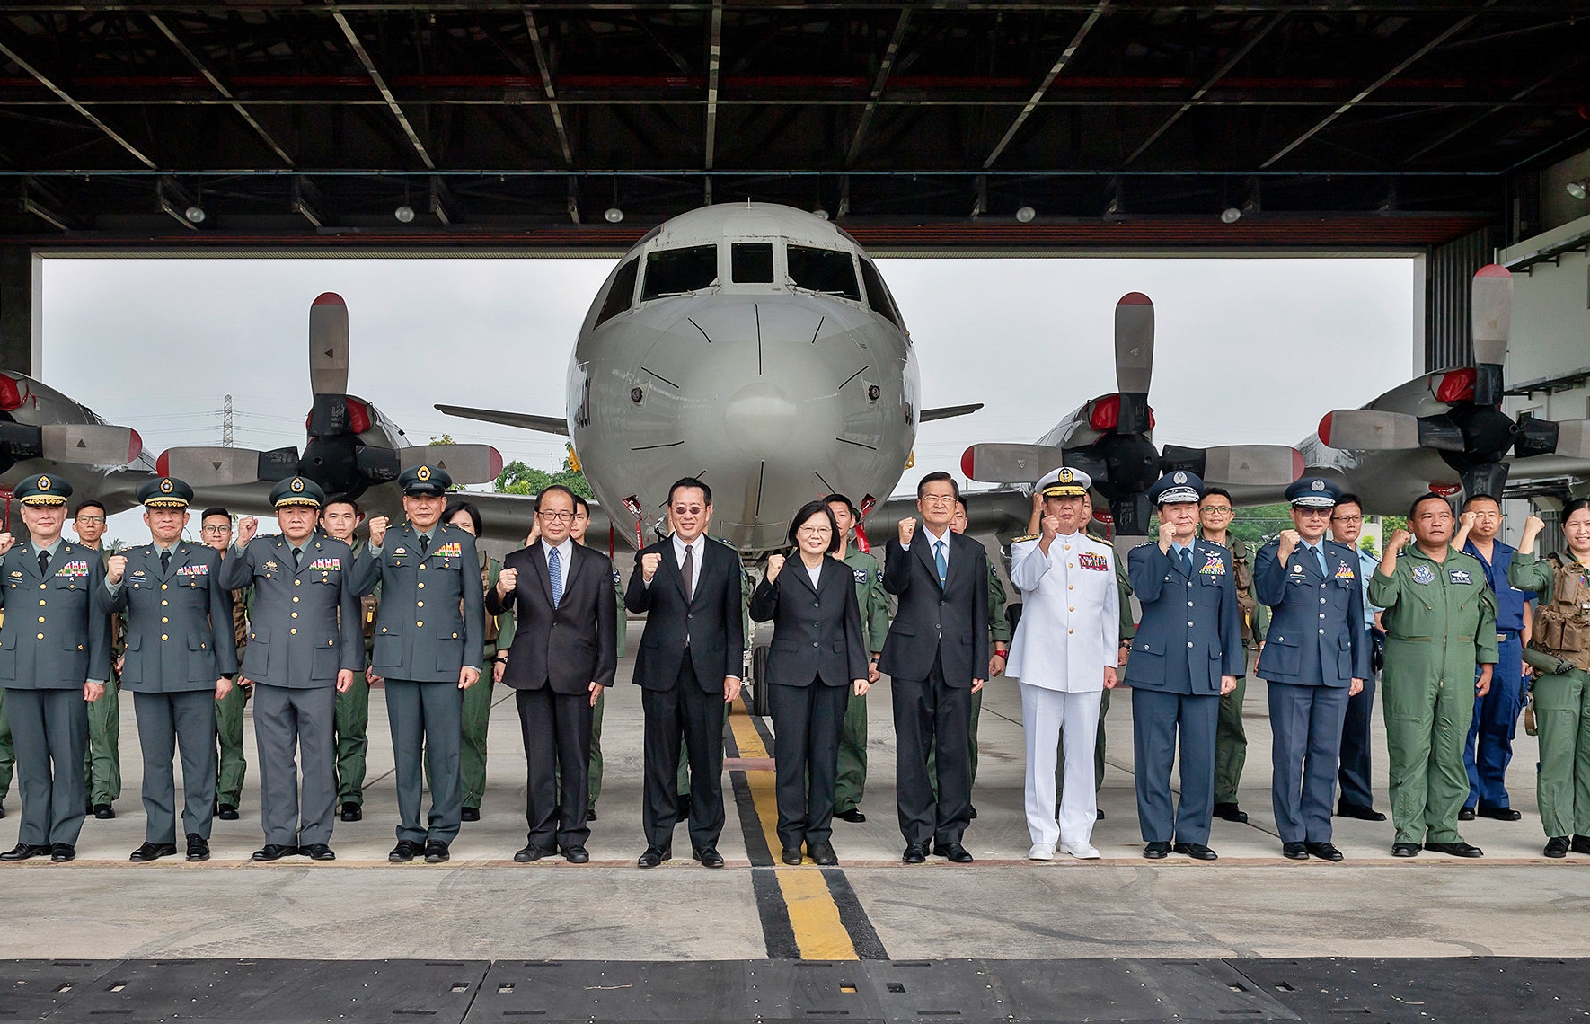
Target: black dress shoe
[(1466, 814), (275, 851), (953, 851), (1294, 851), (654, 856), (2, 809), (974, 812), (1500, 813), (153, 851), (1197, 851), (1100, 816), (530, 854), (1455, 849), (1405, 849), (822, 854), (436, 851), (404, 851), (1358, 811), (1156, 851), (791, 855), (60, 852), (26, 851), (1325, 851), (198, 847), (471, 814), (709, 857), (317, 851), (104, 812), (576, 854), (854, 816), (352, 812), (1580, 844), (915, 853), (1557, 847), (226, 812), (1231, 812), (590, 814)]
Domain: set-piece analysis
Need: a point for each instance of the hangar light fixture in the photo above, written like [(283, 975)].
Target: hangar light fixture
[(612, 215), (404, 214), (1230, 215), (1025, 214), (1577, 189), (195, 214)]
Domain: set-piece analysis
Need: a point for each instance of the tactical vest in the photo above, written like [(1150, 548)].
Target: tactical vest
[(1562, 626), (1247, 607)]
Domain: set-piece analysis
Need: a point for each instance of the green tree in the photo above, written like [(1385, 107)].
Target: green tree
[(519, 478)]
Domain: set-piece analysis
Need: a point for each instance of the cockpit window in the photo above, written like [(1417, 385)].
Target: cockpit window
[(877, 295), (751, 262), (621, 294), (823, 270), (673, 271)]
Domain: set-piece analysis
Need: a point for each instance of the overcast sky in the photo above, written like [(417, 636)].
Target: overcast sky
[(1247, 350)]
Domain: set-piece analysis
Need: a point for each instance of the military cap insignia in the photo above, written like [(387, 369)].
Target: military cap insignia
[(1319, 485), (297, 484), (165, 485), (44, 483), (1065, 475), (1180, 478), (424, 473)]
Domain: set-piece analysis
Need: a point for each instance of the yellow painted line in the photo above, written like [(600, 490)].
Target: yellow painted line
[(813, 914)]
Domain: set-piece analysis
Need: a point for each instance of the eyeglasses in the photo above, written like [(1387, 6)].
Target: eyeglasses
[(938, 499), (1219, 510), (217, 530), (812, 531), (90, 520), (559, 516), (1348, 520), (1486, 515), (688, 510)]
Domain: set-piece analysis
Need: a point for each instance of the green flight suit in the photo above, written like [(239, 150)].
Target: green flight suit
[(231, 766), (102, 762), (1128, 629), (1562, 699), (1231, 740), (478, 698), (350, 717), (851, 778), (1440, 621), (594, 772)]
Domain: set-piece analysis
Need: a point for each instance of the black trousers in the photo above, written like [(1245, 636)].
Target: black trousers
[(688, 711), (931, 714), (556, 728), (807, 722)]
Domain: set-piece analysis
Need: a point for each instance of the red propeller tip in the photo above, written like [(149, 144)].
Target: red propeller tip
[(163, 464), (1297, 463), (135, 446), (496, 463), (1135, 299), (1493, 270), (968, 464), (1325, 430), (328, 299)]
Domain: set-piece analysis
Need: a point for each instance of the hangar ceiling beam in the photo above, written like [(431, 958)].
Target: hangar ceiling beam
[(29, 68), (192, 57), (1449, 135), (884, 67), (1054, 72), (380, 84), (1368, 90), (545, 68), (1209, 83), (714, 61)]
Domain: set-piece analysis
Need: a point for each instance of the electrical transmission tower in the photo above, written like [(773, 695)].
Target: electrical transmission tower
[(226, 423)]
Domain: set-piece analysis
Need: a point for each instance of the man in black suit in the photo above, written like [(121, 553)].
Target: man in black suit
[(936, 657), (563, 655), (688, 666)]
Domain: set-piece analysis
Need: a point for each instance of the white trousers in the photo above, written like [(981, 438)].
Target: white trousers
[(1044, 713)]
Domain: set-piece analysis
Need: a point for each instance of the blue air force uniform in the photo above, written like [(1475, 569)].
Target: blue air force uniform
[(1315, 648), (1489, 746), (1190, 636), (56, 637), (179, 643)]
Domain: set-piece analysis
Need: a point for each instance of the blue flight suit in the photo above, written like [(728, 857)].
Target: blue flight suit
[(1489, 746), (1315, 648), (1189, 636)]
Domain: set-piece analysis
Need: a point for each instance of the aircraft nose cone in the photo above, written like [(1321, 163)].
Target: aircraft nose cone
[(760, 418)]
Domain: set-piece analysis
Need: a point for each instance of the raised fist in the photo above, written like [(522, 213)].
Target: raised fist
[(1289, 539), (246, 528), (775, 563), (6, 540), (506, 581), (115, 566), (907, 531), (1050, 527), (1466, 521), (378, 526), (648, 565), (1167, 533), (1398, 539), (1532, 528)]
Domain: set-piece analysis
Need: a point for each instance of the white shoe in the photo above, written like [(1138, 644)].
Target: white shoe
[(1041, 851), (1080, 850)]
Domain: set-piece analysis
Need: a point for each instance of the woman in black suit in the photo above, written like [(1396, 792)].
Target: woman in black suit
[(818, 655)]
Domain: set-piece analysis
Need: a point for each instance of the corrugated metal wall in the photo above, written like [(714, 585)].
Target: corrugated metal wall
[(1451, 268)]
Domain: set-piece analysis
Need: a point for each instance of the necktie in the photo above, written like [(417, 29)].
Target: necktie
[(44, 563), (555, 571), (425, 544), (1319, 555), (940, 562), (298, 558), (1186, 561), (689, 570), (165, 563)]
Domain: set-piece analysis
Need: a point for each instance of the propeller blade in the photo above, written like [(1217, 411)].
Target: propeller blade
[(1010, 463), (328, 345), (83, 444), (1369, 430), (214, 466), (1490, 319), (1252, 465), (1573, 438), (465, 463), (1134, 360)]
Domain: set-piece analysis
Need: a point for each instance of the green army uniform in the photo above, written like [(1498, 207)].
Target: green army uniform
[(1231, 740), (1128, 629), (350, 719), (1440, 621), (102, 763), (1560, 648), (594, 774), (477, 699), (851, 778), (231, 765)]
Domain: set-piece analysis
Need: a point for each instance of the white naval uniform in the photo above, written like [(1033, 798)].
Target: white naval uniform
[(1067, 636)]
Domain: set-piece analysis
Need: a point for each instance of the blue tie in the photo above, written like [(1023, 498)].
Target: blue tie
[(1319, 554), (940, 562), (1186, 561), (555, 571)]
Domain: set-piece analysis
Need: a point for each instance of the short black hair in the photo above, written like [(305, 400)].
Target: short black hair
[(581, 503), (839, 499), (1349, 498), (455, 507), (936, 478), (214, 510), (688, 482), (1572, 507), (1420, 500), (341, 499), (549, 488), (812, 508), (1471, 499), (87, 503), (1220, 491)]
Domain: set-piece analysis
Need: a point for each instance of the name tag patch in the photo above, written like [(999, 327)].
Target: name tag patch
[(1422, 575), (452, 549), (1460, 576), (1093, 560), (326, 564), (72, 569)]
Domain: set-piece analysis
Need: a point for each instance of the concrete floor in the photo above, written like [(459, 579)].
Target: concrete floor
[(1250, 903)]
